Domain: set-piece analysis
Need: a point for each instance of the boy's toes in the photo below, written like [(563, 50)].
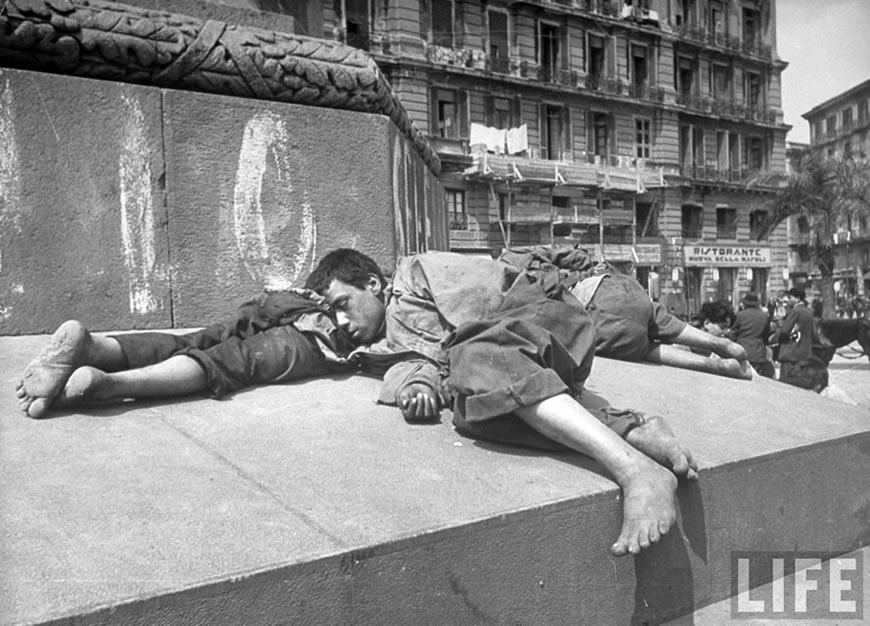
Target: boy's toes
[(37, 408)]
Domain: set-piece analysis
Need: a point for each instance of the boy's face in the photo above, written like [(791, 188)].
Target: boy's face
[(359, 311)]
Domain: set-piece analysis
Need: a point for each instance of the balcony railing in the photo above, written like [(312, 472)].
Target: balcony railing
[(704, 37), (646, 92), (559, 76), (608, 8), (498, 64), (713, 174), (459, 222), (726, 108), (596, 82)]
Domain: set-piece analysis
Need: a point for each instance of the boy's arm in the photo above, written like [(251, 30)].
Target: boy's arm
[(415, 386)]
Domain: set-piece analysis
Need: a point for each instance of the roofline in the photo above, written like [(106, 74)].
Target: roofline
[(842, 96)]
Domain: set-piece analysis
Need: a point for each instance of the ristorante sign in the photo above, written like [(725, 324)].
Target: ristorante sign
[(726, 256)]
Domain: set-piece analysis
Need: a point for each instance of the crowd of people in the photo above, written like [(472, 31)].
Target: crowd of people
[(783, 332)]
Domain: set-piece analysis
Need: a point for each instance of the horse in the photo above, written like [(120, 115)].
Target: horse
[(836, 333)]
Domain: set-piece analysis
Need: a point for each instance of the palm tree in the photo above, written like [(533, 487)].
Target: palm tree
[(827, 191)]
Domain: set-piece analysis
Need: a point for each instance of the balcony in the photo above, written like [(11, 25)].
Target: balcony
[(558, 76), (459, 222), (703, 37), (607, 8), (645, 92), (726, 108), (499, 65), (596, 82), (714, 174), (457, 57), (757, 48)]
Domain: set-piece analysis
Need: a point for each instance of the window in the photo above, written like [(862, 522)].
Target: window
[(717, 18), (595, 56), (639, 69), (497, 22), (642, 138), (722, 151), (456, 209), (831, 125), (757, 223), (646, 219), (863, 112), (692, 216), (599, 135), (554, 132), (502, 112), (734, 152), (847, 118), (847, 150), (449, 120), (753, 153), (686, 12), (685, 76), (357, 23), (753, 91), (443, 20), (548, 50), (562, 208), (750, 26), (726, 223), (721, 82), (685, 148), (698, 146)]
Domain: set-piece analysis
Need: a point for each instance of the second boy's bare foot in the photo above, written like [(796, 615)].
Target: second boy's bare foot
[(656, 439), (730, 350), (45, 376), (649, 508)]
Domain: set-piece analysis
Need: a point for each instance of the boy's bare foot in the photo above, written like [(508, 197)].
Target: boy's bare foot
[(45, 376), (656, 440), (85, 383), (649, 509), (733, 368), (728, 349)]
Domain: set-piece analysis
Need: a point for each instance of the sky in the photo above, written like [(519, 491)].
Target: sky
[(827, 46)]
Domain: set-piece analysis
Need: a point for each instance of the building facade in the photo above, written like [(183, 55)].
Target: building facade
[(840, 127), (630, 127)]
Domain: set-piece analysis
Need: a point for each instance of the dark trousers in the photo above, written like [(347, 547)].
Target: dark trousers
[(809, 374), (258, 345), (531, 349)]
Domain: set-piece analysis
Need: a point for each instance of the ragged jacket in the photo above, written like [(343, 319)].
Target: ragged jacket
[(434, 292)]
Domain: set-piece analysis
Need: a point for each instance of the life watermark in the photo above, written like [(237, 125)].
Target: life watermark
[(797, 585)]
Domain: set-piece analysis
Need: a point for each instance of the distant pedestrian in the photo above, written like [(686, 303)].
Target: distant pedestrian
[(751, 330), (800, 367)]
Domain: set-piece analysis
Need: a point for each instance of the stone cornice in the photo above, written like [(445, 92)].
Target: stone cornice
[(111, 41)]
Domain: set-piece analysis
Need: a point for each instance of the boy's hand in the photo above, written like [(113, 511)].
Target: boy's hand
[(418, 403)]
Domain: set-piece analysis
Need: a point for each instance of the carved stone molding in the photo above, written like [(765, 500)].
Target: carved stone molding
[(112, 41)]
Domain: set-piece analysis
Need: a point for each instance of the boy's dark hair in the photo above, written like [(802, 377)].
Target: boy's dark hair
[(347, 265), (798, 293), (718, 312)]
